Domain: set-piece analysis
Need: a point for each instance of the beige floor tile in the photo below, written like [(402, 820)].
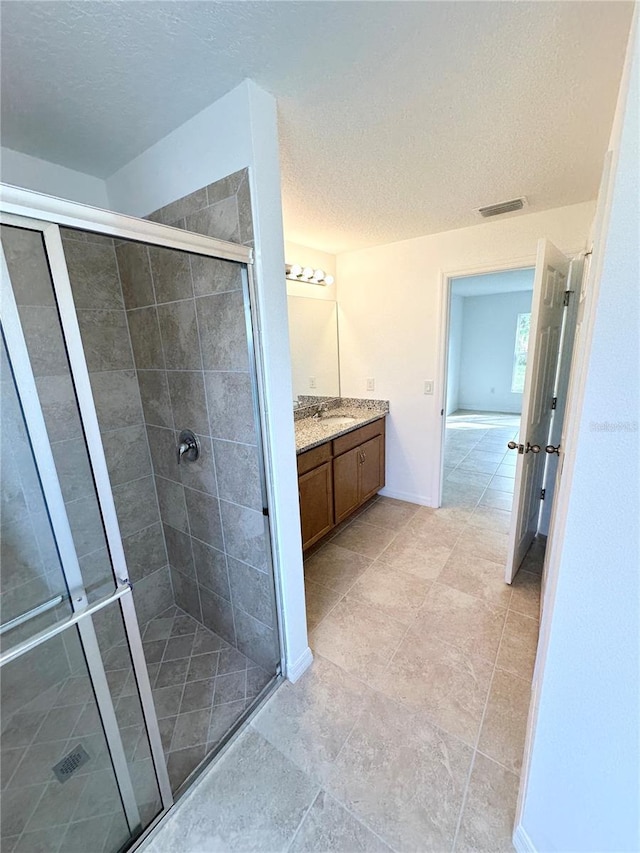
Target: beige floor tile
[(506, 470), (487, 455), (484, 466), (487, 544), (393, 516), (422, 561), (462, 620), (502, 484), (443, 682), (455, 494), (403, 776), (393, 592), (488, 518), (526, 594), (358, 638), (472, 574), (505, 721), (457, 515), (469, 478), (496, 499), (309, 721), (335, 567), (490, 809), (253, 798), (517, 653), (429, 531), (330, 827), (319, 601), (365, 539)]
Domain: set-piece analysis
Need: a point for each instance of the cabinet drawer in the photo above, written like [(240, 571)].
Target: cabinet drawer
[(310, 459), (358, 436)]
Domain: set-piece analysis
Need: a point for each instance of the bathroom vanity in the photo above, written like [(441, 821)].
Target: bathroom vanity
[(341, 461)]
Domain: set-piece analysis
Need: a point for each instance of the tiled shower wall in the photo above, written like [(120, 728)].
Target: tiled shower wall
[(97, 293), (187, 320)]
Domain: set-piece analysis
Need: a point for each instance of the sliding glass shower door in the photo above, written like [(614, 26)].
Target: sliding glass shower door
[(76, 748), (132, 471)]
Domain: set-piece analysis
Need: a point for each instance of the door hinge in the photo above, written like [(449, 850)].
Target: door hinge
[(554, 403), (265, 511), (567, 296), (542, 491)]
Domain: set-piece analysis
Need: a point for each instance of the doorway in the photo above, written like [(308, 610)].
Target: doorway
[(488, 325)]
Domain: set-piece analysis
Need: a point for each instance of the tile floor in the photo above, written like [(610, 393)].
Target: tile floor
[(201, 686), (407, 732)]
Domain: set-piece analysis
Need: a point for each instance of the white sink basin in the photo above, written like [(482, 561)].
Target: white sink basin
[(338, 420)]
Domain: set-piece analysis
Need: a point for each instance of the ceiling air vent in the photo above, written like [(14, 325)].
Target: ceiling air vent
[(502, 207)]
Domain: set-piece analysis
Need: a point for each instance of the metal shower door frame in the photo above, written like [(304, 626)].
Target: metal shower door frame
[(36, 426)]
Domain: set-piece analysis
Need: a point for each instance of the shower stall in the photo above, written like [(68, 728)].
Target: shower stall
[(138, 612)]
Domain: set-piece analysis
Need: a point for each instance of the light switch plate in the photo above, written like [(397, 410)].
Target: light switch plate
[(312, 382), (371, 384), (428, 386)]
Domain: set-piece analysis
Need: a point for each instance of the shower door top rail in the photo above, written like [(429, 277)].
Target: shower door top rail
[(71, 214)]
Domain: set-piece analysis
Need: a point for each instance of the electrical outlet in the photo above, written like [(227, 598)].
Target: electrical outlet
[(371, 384), (428, 386), (312, 382)]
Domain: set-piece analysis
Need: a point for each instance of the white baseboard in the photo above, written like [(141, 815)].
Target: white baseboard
[(522, 842), (300, 666), (407, 496)]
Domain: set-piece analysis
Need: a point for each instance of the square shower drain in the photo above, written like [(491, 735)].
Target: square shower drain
[(67, 766)]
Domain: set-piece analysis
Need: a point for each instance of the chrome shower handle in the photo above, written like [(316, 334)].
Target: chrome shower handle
[(188, 447)]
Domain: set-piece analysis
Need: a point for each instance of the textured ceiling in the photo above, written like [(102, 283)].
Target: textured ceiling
[(396, 118)]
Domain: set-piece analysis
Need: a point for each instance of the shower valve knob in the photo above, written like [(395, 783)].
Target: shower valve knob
[(188, 446)]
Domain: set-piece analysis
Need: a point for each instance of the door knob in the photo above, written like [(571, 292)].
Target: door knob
[(534, 448), (512, 445), (551, 449)]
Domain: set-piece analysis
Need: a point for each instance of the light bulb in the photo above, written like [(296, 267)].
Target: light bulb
[(329, 280), (295, 270), (307, 273), (318, 275)]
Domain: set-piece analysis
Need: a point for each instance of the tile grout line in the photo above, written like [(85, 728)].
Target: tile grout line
[(477, 741)]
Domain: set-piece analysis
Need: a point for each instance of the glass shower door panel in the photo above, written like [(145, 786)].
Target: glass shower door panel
[(59, 785), (39, 318), (33, 591)]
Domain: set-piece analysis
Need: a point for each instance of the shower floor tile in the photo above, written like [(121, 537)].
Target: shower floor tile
[(202, 687)]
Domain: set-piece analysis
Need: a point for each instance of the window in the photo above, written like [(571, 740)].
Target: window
[(520, 353)]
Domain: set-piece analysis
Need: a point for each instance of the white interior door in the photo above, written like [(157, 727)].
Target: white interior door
[(547, 309)]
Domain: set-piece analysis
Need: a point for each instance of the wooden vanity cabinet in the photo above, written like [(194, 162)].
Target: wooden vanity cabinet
[(315, 488), (336, 478)]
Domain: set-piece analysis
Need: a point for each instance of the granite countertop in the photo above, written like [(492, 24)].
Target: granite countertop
[(312, 432)]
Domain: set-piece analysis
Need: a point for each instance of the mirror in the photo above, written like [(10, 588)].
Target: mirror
[(313, 336)]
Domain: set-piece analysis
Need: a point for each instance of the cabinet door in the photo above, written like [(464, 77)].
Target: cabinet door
[(345, 483), (371, 467), (316, 503)]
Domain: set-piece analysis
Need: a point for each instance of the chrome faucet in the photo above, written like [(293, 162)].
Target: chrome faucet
[(321, 410)]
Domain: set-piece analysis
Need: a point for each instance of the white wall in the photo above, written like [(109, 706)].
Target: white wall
[(486, 355), (390, 324), (583, 786), (456, 309), (30, 173)]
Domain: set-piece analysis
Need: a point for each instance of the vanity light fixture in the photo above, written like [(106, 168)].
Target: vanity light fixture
[(294, 272)]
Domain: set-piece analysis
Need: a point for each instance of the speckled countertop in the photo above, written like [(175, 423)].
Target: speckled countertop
[(312, 431)]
